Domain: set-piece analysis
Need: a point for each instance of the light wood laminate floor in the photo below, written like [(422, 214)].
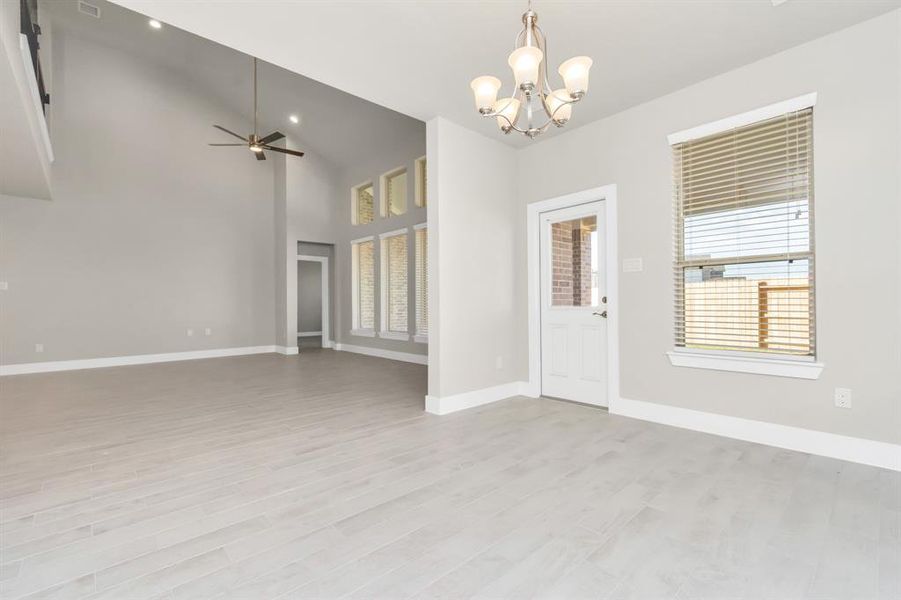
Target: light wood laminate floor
[(319, 476)]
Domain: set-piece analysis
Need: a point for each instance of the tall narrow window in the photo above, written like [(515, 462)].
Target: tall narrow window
[(394, 193), (744, 271), (421, 183), (421, 251), (363, 286), (362, 204), (394, 285)]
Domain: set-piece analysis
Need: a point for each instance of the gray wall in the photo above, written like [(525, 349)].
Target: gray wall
[(857, 74), (309, 296), (472, 250), (403, 149), (145, 236)]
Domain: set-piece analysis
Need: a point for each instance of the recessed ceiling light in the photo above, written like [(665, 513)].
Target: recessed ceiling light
[(294, 119), (155, 24)]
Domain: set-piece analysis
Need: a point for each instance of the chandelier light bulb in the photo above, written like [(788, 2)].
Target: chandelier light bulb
[(506, 109), (485, 90), (525, 62), (558, 104), (575, 75)]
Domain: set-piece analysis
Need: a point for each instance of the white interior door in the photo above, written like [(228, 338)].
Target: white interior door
[(573, 304)]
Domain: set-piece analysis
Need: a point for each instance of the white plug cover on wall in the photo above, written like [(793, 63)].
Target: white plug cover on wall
[(843, 397), (4, 286), (189, 332), (208, 331), (39, 347), (633, 265)]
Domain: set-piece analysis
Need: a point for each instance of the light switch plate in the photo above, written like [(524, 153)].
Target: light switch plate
[(633, 265), (4, 285)]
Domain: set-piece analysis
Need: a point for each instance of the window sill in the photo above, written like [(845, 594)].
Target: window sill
[(362, 332), (421, 339), (395, 335), (779, 367)]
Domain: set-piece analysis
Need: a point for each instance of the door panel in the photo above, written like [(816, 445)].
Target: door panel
[(573, 294)]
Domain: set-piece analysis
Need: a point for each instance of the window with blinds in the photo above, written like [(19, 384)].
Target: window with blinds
[(422, 281), (421, 182), (363, 297), (744, 268), (394, 193), (363, 205), (394, 283)]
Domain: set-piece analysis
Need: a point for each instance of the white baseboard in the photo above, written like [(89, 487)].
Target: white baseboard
[(309, 333), (449, 404), (419, 359), (859, 450), (137, 359), (287, 350)]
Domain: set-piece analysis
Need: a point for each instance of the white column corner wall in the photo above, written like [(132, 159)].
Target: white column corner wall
[(473, 330)]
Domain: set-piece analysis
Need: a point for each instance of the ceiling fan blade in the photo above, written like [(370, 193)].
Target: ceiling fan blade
[(272, 137), (285, 151), (226, 144), (230, 132), (260, 155)]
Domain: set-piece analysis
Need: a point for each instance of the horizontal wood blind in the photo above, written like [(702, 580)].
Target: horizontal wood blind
[(744, 268), (422, 281)]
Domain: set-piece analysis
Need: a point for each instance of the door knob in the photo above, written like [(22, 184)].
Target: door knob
[(600, 314)]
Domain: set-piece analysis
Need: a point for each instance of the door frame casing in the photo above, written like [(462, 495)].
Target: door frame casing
[(323, 261), (606, 193)]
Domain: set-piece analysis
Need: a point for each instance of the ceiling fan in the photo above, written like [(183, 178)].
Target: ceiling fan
[(254, 142)]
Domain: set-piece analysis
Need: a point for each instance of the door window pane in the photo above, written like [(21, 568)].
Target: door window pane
[(574, 262)]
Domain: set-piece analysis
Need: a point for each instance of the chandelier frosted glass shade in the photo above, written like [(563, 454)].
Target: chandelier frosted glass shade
[(525, 63), (534, 105), (485, 90), (575, 74)]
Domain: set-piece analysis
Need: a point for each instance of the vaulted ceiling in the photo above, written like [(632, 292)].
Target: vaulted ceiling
[(341, 127), (418, 57)]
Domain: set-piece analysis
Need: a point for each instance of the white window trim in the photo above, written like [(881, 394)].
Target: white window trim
[(419, 226), (740, 120), (420, 338), (746, 362), (395, 335), (418, 198), (354, 208), (384, 332), (383, 192), (355, 289)]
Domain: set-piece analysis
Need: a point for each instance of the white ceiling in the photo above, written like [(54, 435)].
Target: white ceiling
[(418, 56), (339, 126)]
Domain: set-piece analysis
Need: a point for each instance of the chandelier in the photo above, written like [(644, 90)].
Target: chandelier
[(533, 99)]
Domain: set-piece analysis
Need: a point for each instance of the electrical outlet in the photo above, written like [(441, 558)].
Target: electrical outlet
[(39, 347), (499, 362), (208, 331), (843, 397), (189, 332), (633, 265), (4, 285)]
